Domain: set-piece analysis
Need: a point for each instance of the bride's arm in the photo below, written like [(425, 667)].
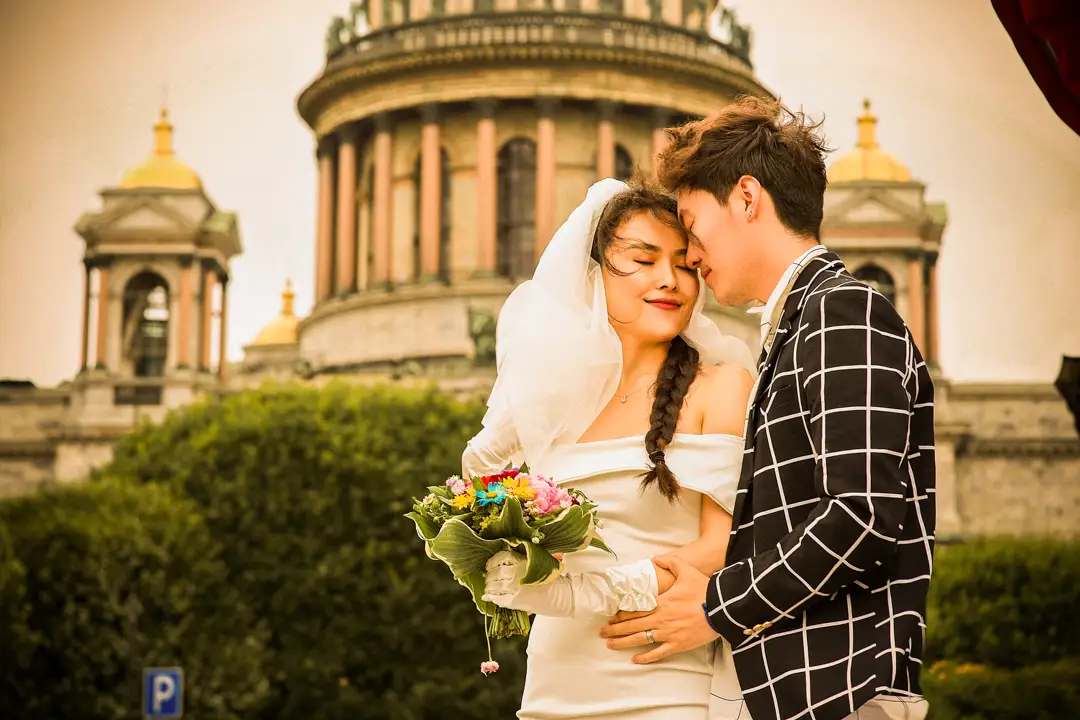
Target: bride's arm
[(721, 395), (490, 450)]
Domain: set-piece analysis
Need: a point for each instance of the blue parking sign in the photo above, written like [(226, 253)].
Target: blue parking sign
[(163, 692)]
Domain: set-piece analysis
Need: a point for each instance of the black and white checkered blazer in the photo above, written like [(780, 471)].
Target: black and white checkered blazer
[(824, 595)]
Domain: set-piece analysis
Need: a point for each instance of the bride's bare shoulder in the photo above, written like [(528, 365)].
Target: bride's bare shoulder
[(719, 396)]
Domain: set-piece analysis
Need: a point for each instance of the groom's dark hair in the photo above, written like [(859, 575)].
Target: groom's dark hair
[(782, 149)]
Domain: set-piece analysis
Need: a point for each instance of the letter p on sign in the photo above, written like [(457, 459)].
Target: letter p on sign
[(163, 692)]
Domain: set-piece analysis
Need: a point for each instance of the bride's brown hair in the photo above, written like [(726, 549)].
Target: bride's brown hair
[(682, 363)]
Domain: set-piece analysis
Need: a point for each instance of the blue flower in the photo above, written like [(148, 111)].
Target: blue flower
[(495, 494)]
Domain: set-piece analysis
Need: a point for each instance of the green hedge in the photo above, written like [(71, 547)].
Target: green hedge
[(1002, 642), (305, 490), (1006, 603), (1047, 691), (102, 581)]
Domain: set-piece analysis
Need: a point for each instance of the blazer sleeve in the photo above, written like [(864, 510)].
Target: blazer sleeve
[(856, 366)]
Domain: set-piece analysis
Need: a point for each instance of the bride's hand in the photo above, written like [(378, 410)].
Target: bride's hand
[(621, 616)]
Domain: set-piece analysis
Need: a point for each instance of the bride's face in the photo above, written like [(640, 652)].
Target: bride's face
[(652, 292)]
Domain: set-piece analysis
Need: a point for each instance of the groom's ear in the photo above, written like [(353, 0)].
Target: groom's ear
[(746, 194)]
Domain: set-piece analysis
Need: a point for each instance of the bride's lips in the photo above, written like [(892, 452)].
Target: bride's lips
[(665, 304)]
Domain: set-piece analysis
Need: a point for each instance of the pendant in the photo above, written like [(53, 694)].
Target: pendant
[(622, 399)]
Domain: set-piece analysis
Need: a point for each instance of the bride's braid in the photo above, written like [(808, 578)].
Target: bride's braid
[(672, 383)]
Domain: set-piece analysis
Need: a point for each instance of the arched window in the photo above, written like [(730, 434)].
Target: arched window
[(624, 164), (445, 215), (878, 278), (146, 324), (516, 244)]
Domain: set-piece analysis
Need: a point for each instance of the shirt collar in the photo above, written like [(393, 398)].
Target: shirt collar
[(779, 293)]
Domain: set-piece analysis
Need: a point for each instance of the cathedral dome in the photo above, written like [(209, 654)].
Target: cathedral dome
[(281, 330), (868, 162), (162, 170)]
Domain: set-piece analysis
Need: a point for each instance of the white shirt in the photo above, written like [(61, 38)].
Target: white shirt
[(779, 294)]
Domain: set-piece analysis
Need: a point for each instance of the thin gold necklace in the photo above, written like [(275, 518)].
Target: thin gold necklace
[(624, 398)]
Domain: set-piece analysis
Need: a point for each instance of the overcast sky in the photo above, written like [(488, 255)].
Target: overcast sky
[(83, 81)]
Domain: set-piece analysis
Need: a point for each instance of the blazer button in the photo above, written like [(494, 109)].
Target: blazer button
[(748, 632), (766, 624)]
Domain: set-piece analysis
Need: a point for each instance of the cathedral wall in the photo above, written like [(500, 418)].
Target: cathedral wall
[(1011, 410), (1019, 495)]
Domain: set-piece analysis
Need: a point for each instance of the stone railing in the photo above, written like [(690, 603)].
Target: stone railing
[(575, 30)]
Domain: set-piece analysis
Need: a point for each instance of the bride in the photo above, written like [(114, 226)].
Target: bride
[(612, 380)]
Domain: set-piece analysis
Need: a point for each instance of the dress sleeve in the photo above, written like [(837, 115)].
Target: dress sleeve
[(710, 465)]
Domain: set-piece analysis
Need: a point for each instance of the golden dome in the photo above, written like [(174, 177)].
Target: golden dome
[(868, 161), (282, 330), (162, 170)]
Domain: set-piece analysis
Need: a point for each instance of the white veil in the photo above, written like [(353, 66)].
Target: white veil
[(557, 357)]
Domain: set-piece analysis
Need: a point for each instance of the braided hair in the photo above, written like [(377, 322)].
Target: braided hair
[(672, 383), (682, 363)]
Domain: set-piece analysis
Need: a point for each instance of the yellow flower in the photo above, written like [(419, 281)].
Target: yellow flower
[(519, 488), (462, 501)]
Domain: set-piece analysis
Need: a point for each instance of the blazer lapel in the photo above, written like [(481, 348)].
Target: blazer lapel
[(793, 304)]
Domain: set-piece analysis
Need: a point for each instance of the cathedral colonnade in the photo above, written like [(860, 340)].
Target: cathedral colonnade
[(453, 191)]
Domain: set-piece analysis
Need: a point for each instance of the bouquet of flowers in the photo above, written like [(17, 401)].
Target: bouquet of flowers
[(465, 521)]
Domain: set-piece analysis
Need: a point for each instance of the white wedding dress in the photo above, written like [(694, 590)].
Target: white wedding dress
[(571, 671)]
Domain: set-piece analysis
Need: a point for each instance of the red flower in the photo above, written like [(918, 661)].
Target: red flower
[(500, 476)]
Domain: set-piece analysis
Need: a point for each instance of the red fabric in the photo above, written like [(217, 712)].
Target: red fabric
[(1046, 34)]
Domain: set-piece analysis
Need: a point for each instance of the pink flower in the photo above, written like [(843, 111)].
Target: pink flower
[(456, 485), (549, 497), (489, 666)]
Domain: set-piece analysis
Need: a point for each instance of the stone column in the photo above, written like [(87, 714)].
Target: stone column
[(545, 172), (430, 191), (84, 350), (382, 222), (183, 348), (933, 333), (223, 326), (486, 188), (207, 316), (917, 321), (101, 355), (345, 264), (605, 141), (324, 231), (661, 118)]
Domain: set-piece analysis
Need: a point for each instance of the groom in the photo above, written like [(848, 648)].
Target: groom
[(823, 600)]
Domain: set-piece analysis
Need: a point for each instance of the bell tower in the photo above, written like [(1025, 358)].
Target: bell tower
[(879, 222), (155, 304)]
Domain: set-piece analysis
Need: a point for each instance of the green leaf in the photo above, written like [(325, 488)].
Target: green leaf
[(569, 532), (541, 568), (510, 524), (426, 529), (462, 549), (474, 581), (597, 542)]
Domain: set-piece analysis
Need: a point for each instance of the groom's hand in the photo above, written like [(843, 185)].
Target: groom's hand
[(678, 624)]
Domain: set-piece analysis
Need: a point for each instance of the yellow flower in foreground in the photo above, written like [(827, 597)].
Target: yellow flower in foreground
[(519, 488), (462, 501)]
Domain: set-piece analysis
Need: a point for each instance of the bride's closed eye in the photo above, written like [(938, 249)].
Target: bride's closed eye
[(648, 263)]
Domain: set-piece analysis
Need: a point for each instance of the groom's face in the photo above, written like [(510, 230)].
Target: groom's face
[(717, 246)]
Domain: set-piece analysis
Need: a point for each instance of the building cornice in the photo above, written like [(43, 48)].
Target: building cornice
[(532, 39)]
